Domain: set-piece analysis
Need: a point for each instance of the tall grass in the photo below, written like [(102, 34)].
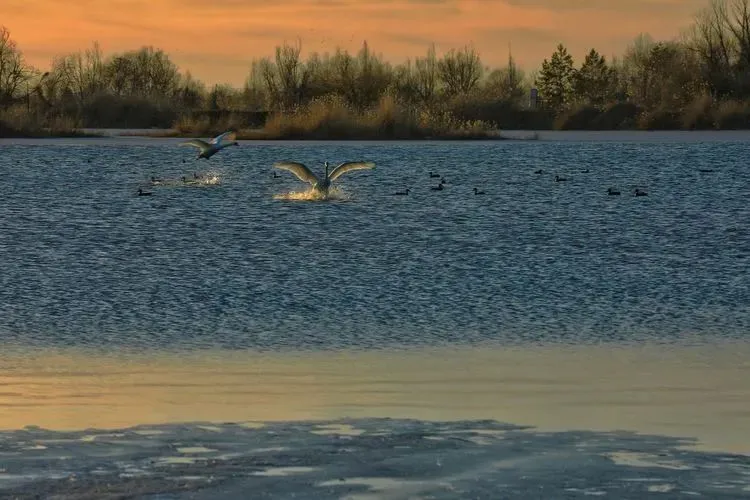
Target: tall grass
[(474, 116), (331, 117), (699, 114), (18, 121), (733, 115), (703, 113)]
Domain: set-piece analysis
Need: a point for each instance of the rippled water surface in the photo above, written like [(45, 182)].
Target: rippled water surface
[(232, 264)]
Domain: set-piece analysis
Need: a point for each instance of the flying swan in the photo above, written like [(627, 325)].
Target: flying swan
[(322, 185), (210, 148)]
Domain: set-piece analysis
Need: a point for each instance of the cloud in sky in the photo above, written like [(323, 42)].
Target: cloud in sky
[(217, 41)]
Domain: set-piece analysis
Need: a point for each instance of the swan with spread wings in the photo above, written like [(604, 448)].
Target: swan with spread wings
[(321, 185), (210, 148)]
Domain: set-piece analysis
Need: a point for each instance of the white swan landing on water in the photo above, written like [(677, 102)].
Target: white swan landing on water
[(210, 148), (321, 186)]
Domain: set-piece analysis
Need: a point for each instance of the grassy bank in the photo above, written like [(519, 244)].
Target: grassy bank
[(331, 118), (702, 114), (18, 122)]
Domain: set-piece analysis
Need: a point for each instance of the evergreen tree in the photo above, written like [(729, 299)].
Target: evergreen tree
[(555, 80), (594, 81)]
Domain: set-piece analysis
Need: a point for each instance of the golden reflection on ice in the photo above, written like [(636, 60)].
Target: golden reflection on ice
[(701, 392)]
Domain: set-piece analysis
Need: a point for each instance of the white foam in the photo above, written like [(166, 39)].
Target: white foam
[(36, 447), (93, 437), (337, 429), (284, 471), (149, 432), (133, 472), (194, 449), (211, 428), (252, 425), (178, 460), (587, 491), (632, 459), (661, 488)]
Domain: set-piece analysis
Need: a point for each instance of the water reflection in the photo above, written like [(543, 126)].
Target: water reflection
[(701, 392)]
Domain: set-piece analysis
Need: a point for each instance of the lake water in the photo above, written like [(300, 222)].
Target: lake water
[(541, 303), (87, 263)]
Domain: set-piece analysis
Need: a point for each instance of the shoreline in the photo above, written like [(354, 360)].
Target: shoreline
[(149, 135), (361, 459), (257, 135)]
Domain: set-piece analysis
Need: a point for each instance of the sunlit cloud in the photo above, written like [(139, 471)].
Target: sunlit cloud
[(217, 41)]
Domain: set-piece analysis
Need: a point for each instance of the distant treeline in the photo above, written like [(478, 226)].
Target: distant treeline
[(699, 81)]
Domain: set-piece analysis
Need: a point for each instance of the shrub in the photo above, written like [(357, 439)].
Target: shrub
[(699, 114), (579, 118), (112, 111), (733, 115), (331, 117), (617, 116), (659, 119)]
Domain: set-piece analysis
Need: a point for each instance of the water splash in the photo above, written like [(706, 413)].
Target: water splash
[(334, 194), (206, 179)]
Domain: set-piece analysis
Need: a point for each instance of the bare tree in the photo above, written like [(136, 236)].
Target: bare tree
[(191, 91), (266, 74), (344, 73), (257, 94), (720, 38), (634, 67), (14, 73), (373, 77), (318, 81), (283, 80), (146, 72), (403, 83), (225, 97), (507, 83), (710, 40), (83, 74), (737, 21), (292, 74), (460, 70), (426, 78)]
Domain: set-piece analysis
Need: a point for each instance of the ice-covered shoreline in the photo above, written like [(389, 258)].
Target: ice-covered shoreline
[(359, 459), (551, 421)]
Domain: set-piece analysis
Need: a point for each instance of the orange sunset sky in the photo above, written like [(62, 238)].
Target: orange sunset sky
[(217, 40)]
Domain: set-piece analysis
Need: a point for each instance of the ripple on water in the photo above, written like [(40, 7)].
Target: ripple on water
[(88, 263)]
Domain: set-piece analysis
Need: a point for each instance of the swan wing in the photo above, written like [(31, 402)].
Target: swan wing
[(349, 166), (198, 143), (225, 137), (301, 171)]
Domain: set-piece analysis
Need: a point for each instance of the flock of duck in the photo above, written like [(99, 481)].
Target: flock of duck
[(320, 184), (440, 187), (610, 191)]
